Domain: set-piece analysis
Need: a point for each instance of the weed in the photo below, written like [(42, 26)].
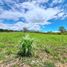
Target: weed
[(49, 64), (26, 47)]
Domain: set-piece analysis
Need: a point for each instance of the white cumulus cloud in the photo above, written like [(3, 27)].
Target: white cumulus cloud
[(35, 15)]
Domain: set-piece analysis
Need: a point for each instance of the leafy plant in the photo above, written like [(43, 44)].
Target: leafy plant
[(26, 46)]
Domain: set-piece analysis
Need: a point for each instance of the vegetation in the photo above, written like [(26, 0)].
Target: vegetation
[(49, 64), (49, 49), (5, 30), (26, 47), (62, 29)]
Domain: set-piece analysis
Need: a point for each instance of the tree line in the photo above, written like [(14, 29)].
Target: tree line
[(61, 30), (6, 30)]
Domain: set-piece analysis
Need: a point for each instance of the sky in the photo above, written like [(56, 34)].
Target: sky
[(37, 15)]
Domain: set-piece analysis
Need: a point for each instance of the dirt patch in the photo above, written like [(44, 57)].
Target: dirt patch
[(14, 63), (61, 65)]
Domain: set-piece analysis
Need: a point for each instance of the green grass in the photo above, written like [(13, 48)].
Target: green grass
[(46, 47)]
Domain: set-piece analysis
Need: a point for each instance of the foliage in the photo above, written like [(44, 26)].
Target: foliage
[(62, 29), (48, 47), (26, 46)]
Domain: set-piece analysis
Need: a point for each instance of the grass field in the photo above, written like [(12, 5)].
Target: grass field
[(49, 50)]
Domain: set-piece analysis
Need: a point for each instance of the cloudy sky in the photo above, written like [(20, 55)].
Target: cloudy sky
[(38, 15)]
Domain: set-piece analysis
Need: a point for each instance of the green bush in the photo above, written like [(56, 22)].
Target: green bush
[(26, 47)]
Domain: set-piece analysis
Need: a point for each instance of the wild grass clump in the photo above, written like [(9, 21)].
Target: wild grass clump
[(49, 64), (26, 46), (49, 49)]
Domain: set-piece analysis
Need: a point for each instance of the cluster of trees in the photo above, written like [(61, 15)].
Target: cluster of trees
[(6, 30), (61, 29)]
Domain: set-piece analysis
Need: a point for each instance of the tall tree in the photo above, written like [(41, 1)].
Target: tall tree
[(62, 29)]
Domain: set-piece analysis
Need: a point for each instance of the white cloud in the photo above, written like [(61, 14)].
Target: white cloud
[(35, 16), (3, 26), (7, 1), (40, 15), (11, 15), (58, 1), (35, 13), (42, 1), (28, 5), (64, 16), (29, 26), (20, 26), (60, 14)]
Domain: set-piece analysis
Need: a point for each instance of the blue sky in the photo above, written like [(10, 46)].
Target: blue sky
[(38, 15)]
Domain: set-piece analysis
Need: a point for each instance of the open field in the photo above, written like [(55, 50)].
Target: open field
[(49, 50)]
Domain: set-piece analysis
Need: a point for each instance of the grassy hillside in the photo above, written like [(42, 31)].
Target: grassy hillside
[(49, 49)]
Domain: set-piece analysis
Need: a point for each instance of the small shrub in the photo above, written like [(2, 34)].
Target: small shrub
[(26, 47)]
